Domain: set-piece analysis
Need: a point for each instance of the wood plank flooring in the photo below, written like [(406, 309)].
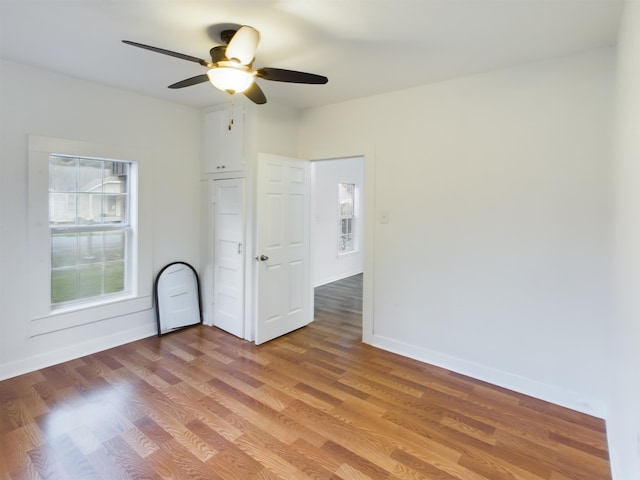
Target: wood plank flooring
[(314, 404)]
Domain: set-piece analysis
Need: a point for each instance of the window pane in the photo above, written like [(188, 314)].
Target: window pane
[(115, 177), (89, 209), (62, 208), (346, 190), (346, 226), (114, 277), (345, 243), (345, 198), (348, 242), (114, 208), (90, 175), (64, 247), (85, 265), (341, 245), (91, 247), (114, 246), (89, 281), (62, 174), (63, 285), (346, 208), (349, 209)]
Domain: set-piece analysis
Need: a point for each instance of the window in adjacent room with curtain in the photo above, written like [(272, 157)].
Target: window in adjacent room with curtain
[(346, 217)]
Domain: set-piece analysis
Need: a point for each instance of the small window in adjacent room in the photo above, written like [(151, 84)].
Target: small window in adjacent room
[(89, 228), (346, 217)]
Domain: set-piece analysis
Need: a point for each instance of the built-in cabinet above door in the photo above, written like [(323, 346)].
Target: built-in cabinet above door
[(224, 135)]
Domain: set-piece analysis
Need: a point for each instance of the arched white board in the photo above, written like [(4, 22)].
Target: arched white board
[(177, 295)]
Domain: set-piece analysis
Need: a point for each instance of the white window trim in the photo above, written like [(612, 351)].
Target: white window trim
[(42, 318)]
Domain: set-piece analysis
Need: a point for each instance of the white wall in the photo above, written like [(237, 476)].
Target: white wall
[(327, 266), (37, 102), (495, 261), (624, 425), (274, 129)]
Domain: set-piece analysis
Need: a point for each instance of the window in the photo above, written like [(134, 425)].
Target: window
[(346, 217), (90, 211), (89, 228)]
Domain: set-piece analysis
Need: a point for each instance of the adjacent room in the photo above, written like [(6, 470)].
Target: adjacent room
[(415, 227)]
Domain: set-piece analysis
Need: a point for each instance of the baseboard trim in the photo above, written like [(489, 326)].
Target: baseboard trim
[(533, 388), (325, 281), (72, 352)]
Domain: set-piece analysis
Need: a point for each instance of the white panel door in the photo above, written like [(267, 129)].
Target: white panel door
[(228, 280), (283, 253)]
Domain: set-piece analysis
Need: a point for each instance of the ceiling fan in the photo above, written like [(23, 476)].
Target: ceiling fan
[(231, 66)]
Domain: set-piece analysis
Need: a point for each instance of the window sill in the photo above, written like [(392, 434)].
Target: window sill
[(75, 316)]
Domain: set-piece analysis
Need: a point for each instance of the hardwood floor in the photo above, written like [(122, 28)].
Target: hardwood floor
[(317, 403)]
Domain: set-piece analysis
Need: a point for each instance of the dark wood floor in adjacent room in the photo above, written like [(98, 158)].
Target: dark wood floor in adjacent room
[(317, 403)]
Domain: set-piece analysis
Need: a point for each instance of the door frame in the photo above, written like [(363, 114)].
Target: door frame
[(360, 209), (368, 153)]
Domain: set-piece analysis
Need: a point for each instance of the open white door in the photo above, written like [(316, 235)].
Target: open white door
[(229, 221), (283, 252)]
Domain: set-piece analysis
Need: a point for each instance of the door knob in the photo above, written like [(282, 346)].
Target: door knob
[(262, 258)]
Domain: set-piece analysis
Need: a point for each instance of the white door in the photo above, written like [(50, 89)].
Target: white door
[(285, 301), (228, 267)]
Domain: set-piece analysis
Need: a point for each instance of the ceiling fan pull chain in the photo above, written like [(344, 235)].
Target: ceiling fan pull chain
[(231, 106)]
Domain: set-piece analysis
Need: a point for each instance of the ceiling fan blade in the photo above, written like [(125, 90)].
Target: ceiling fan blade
[(243, 45), (191, 81), (168, 52), (255, 94), (292, 76)]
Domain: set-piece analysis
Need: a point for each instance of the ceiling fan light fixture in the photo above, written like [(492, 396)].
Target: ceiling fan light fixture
[(230, 78)]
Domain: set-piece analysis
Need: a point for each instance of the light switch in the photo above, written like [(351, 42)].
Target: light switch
[(384, 217)]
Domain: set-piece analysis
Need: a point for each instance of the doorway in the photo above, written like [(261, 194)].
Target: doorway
[(337, 237), (337, 220)]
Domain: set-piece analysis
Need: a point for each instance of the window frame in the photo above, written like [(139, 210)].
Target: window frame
[(45, 317), (123, 226)]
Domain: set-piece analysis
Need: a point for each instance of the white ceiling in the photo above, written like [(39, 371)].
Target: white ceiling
[(364, 47)]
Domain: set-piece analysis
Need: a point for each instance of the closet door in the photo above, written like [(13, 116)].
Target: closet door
[(229, 257)]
